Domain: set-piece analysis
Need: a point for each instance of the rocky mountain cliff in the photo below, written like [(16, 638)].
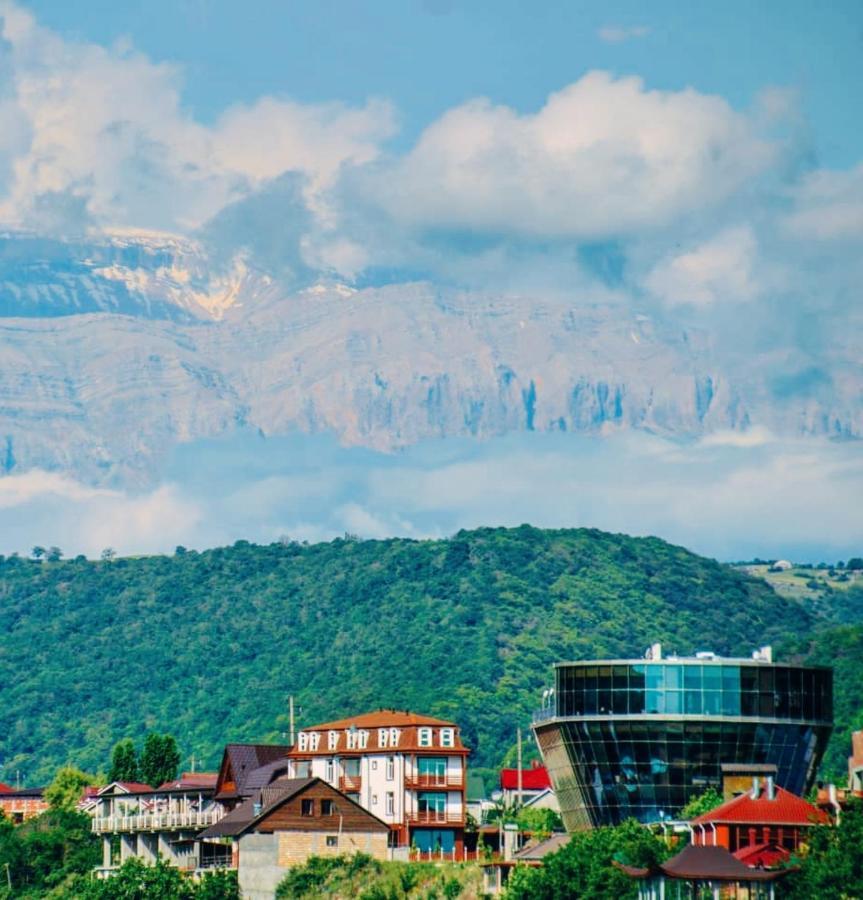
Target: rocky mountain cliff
[(111, 351)]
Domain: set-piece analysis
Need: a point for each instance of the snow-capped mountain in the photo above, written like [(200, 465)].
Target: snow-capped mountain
[(113, 350)]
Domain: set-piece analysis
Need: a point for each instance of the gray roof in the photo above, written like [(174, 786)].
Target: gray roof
[(248, 758), (543, 848)]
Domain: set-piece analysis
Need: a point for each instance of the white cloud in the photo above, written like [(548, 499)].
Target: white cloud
[(603, 156), (720, 269), (828, 205), (617, 34), (107, 127)]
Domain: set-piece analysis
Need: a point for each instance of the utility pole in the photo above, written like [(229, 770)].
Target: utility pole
[(291, 720), (17, 779), (519, 790)]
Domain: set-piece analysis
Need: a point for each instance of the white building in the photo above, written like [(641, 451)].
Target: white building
[(408, 770)]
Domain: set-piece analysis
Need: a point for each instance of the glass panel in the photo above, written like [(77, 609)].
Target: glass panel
[(673, 676)]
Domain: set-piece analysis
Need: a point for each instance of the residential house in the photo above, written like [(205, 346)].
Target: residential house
[(284, 823), (761, 827), (22, 804), (534, 781), (136, 820), (407, 769)]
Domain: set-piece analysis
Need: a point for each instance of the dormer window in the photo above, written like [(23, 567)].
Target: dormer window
[(425, 737), (352, 734), (315, 740), (395, 734), (383, 737), (303, 741), (332, 740), (363, 736), (447, 737)]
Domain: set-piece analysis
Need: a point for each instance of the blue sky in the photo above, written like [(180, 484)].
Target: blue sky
[(429, 55)]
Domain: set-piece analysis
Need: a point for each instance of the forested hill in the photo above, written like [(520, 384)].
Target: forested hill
[(209, 645)]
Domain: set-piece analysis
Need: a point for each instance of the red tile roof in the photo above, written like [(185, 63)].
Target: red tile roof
[(4, 788), (535, 779), (765, 856), (785, 809)]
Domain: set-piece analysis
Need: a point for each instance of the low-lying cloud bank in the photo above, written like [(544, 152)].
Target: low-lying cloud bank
[(726, 497)]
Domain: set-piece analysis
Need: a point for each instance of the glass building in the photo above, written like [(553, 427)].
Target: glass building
[(639, 737)]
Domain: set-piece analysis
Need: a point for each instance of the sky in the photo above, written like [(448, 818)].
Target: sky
[(703, 162)]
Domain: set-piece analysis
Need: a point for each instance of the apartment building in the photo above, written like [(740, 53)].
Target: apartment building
[(406, 769)]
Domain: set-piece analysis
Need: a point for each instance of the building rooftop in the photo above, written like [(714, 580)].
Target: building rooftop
[(382, 718), (533, 779), (784, 808)]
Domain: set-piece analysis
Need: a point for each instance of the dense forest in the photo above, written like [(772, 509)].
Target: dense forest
[(210, 645)]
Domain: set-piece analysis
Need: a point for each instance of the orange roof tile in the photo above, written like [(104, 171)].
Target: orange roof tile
[(382, 718)]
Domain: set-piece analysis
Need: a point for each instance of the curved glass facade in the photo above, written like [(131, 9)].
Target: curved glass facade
[(639, 738)]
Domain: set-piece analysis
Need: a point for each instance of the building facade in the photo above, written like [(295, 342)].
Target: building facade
[(138, 821), (22, 804), (284, 823), (406, 769), (640, 737)]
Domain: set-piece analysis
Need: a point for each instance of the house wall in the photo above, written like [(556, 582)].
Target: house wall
[(348, 817), (265, 859)]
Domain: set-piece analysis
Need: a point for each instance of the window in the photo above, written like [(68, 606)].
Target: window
[(328, 808), (374, 799), (332, 840), (447, 737), (352, 738), (383, 737), (432, 767), (314, 740), (331, 772), (391, 803), (374, 765), (307, 807), (425, 737), (391, 768), (363, 739), (303, 739), (395, 734), (332, 740)]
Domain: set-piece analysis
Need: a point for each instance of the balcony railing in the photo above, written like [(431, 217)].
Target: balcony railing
[(435, 817), (350, 784), (417, 780), (157, 821)]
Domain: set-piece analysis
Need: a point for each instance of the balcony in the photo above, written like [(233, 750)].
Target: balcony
[(165, 821), (435, 817), (350, 784), (453, 782)]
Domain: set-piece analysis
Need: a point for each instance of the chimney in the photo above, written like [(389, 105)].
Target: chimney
[(756, 787), (771, 788)]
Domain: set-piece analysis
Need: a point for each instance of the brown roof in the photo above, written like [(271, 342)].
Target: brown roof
[(244, 759), (707, 864), (204, 781), (269, 798), (383, 718)]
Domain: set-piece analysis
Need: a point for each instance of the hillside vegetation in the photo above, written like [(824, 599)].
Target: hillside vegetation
[(209, 645)]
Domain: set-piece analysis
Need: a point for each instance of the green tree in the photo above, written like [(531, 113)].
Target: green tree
[(124, 762), (701, 803), (584, 869), (831, 867), (67, 788), (47, 853), (542, 822), (160, 759), (38, 552), (135, 880), (855, 563), (55, 554)]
